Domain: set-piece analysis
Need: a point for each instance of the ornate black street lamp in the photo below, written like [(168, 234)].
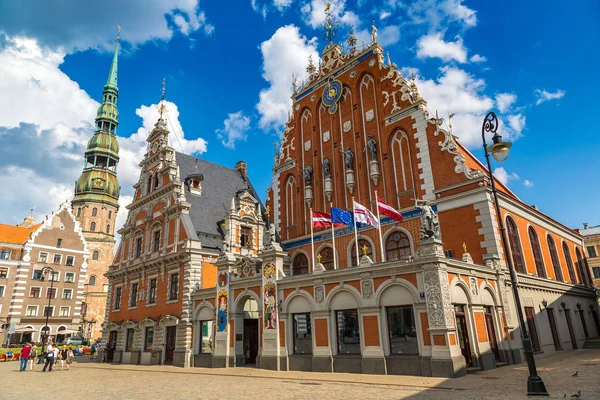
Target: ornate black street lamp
[(44, 272), (500, 151)]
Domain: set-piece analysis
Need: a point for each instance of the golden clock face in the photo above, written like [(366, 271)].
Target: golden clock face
[(98, 182)]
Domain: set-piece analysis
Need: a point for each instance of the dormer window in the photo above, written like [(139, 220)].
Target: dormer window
[(246, 237), (194, 183)]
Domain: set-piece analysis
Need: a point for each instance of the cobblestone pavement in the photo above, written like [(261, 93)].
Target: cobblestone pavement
[(104, 381)]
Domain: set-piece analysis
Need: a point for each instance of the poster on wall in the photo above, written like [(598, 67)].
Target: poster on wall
[(269, 296), (222, 301)]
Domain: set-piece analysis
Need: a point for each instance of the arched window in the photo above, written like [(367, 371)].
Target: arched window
[(94, 212), (397, 247), (362, 244), (537, 253), (403, 175), (581, 267), (290, 192), (149, 184), (569, 262), (554, 258), (110, 214), (108, 229), (156, 181), (92, 281), (515, 245), (300, 264), (95, 255), (93, 226), (327, 258), (79, 211)]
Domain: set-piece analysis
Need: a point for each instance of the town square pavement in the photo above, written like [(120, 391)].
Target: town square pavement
[(90, 380)]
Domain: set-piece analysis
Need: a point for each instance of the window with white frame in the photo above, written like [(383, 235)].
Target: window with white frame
[(592, 251), (138, 247), (37, 275), (133, 294), (2, 290), (43, 257), (156, 241), (65, 311), (117, 299), (70, 261), (67, 294), (3, 272), (35, 292), (57, 259), (51, 293), (596, 271), (48, 311), (5, 254), (70, 277), (54, 276), (31, 311), (152, 286), (173, 286)]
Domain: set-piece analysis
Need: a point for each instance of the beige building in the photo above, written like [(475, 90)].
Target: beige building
[(591, 238)]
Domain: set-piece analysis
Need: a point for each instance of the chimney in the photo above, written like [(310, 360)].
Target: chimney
[(585, 225), (242, 167), (534, 207)]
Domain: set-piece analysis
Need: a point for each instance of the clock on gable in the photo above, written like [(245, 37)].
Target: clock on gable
[(332, 94)]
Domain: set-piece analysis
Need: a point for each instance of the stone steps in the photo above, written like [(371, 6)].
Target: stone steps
[(592, 343)]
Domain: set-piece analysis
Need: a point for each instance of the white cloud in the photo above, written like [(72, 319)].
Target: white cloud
[(544, 95), (516, 122), (388, 35), (434, 46), (438, 14), (527, 183), (476, 58), (504, 101), (313, 13), (284, 53), (384, 14), (503, 176), (234, 129), (282, 4), (72, 26)]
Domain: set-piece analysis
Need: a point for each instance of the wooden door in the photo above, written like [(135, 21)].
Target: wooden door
[(553, 329), (533, 336), (585, 331), (170, 344), (463, 336), (489, 324), (112, 344), (570, 326), (250, 340)]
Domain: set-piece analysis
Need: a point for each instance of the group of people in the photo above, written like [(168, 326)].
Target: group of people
[(51, 356)]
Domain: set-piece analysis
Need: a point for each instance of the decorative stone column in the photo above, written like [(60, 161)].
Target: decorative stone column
[(328, 188), (374, 171), (221, 354), (350, 182)]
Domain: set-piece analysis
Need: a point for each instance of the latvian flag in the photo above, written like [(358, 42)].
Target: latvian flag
[(321, 219), (388, 210), (364, 216)]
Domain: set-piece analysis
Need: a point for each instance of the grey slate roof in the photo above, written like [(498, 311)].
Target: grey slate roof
[(219, 186)]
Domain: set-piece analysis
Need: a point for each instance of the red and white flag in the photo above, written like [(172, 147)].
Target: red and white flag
[(363, 215), (321, 219), (388, 210)]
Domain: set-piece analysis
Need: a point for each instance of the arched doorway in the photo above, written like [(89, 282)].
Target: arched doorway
[(247, 318), (44, 333), (60, 335), (462, 316)]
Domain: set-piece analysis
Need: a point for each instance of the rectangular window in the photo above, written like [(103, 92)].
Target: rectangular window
[(54, 276), (206, 336), (31, 311), (246, 237), (596, 271), (592, 251), (35, 292), (58, 242), (173, 286), (156, 241), (138, 247), (129, 341), (401, 330), (3, 272), (48, 311), (117, 303), (37, 274), (449, 253), (530, 316), (302, 334), (70, 261), (51, 293), (67, 294), (2, 291), (43, 257), (64, 311), (133, 295), (5, 254), (149, 338), (348, 332), (70, 277), (152, 291)]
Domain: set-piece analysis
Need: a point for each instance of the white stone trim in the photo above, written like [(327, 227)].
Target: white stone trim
[(422, 145)]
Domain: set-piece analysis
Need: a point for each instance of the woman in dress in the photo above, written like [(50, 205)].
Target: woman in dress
[(69, 358), (33, 357)]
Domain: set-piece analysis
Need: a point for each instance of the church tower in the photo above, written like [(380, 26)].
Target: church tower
[(96, 202)]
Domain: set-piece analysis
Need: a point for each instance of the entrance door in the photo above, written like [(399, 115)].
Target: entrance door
[(171, 334), (112, 344), (553, 329), (585, 331), (250, 340), (570, 325), (463, 334), (489, 324), (533, 336)]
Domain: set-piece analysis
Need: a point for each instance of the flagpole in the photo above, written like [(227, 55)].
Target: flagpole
[(355, 232), (380, 235), (335, 264), (312, 241)]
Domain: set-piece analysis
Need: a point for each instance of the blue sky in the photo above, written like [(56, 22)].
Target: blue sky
[(228, 71)]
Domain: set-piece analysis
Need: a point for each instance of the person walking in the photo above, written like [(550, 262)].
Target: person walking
[(93, 351), (25, 352), (69, 358), (33, 357), (49, 357), (62, 357)]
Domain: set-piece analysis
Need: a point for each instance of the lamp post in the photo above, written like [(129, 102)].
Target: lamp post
[(500, 151), (44, 272)]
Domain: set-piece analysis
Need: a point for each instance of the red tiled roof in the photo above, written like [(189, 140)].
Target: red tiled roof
[(15, 234)]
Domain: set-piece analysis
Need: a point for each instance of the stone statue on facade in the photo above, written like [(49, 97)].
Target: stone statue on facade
[(349, 157), (373, 33), (372, 147), (326, 168), (430, 224), (307, 172), (225, 246)]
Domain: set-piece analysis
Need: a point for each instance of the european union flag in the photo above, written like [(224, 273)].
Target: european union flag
[(339, 216)]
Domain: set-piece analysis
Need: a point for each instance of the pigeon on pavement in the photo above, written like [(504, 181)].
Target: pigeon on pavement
[(576, 374), (577, 395)]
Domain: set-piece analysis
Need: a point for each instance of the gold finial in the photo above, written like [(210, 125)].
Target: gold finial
[(267, 210), (412, 74), (161, 107), (319, 258), (118, 32), (364, 249), (450, 116), (328, 7), (465, 247)]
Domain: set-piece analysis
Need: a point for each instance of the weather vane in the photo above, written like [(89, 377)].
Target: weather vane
[(118, 32), (329, 23), (161, 107)]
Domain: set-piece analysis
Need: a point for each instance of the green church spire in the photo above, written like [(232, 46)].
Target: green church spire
[(98, 181)]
